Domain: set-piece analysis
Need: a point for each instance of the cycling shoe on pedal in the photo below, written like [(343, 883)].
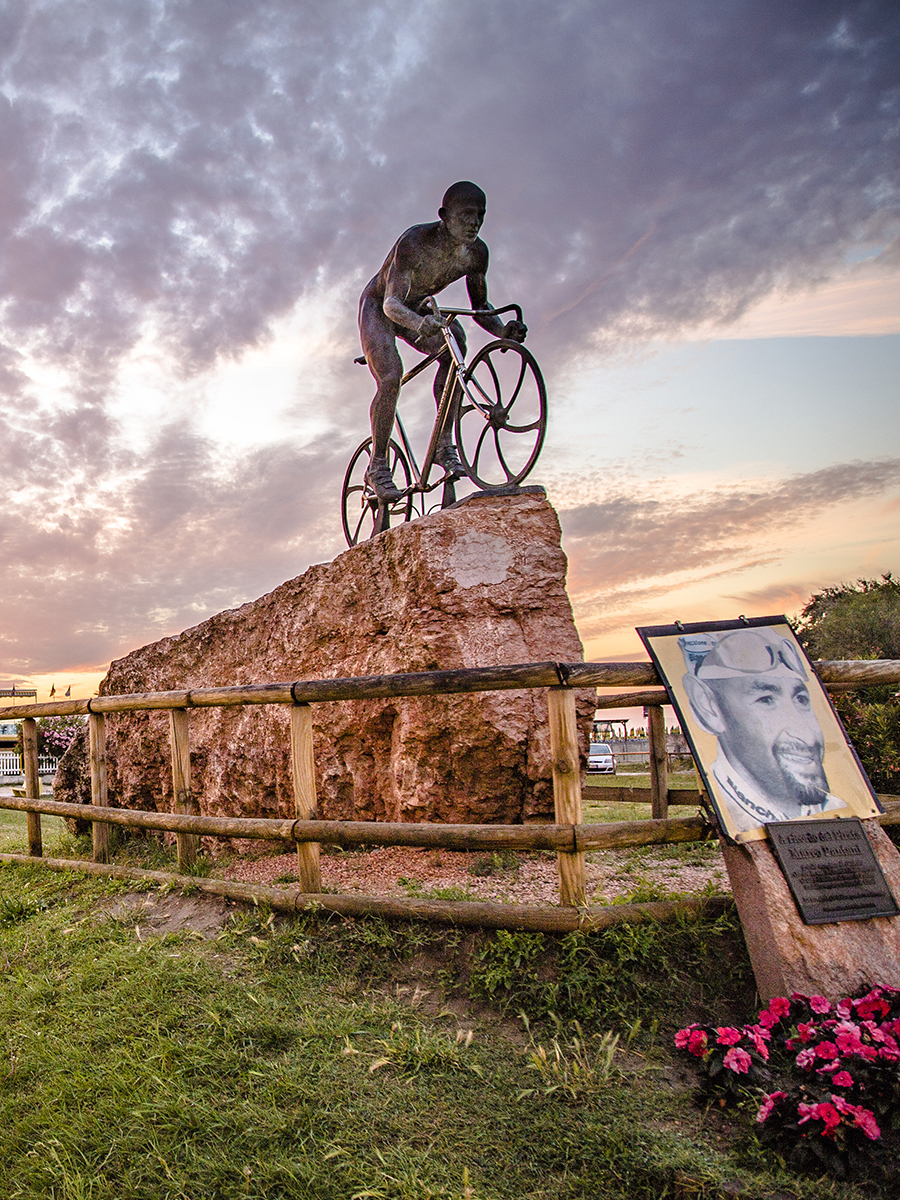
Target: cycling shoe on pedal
[(447, 457), (380, 480)]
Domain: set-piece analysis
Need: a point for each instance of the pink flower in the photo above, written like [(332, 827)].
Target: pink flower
[(769, 1102), (829, 1066), (779, 1007), (698, 1042), (849, 1044), (807, 1030), (693, 1039), (871, 1005), (862, 1118), (727, 1036), (842, 1079), (737, 1060), (820, 1112), (767, 1019), (759, 1037), (844, 1008), (865, 1120), (819, 1004), (827, 1050), (806, 1058), (846, 1027), (760, 1030)]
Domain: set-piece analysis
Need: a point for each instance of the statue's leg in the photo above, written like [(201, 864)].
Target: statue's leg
[(446, 453), (380, 348)]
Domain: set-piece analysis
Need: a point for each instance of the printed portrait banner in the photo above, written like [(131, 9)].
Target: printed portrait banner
[(761, 727)]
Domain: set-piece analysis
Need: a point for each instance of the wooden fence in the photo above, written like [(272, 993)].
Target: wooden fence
[(568, 835)]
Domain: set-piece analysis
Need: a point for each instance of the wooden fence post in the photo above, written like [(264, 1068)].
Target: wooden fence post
[(31, 770), (303, 773), (659, 765), (188, 843), (99, 831), (566, 789)]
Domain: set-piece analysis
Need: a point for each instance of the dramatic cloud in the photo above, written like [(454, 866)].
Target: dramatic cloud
[(178, 175), (640, 547), (202, 164)]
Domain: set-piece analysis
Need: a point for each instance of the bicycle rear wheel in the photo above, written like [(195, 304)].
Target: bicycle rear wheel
[(359, 508), (502, 418)]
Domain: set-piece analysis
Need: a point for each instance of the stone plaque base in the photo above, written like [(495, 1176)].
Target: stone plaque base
[(831, 960)]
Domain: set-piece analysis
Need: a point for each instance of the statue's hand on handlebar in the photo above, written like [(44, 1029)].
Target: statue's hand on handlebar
[(515, 331), (428, 327)]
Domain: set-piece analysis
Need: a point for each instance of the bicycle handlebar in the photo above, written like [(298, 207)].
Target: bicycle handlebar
[(474, 312)]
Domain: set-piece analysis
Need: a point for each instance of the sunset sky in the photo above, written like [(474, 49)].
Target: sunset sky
[(697, 205)]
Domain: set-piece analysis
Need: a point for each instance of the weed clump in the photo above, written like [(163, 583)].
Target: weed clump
[(659, 971)]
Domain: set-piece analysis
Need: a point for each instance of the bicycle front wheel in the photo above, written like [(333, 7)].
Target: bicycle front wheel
[(502, 417), (360, 514)]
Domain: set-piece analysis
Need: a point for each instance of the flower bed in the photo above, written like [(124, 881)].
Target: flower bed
[(837, 1074)]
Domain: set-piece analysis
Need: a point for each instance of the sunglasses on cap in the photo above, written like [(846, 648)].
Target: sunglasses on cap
[(744, 652)]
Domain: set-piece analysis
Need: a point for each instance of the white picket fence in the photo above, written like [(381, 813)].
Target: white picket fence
[(11, 764)]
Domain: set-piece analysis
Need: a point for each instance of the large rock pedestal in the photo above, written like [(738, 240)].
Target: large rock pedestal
[(482, 584)]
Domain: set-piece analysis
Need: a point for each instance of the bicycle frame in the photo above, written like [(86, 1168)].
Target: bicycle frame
[(456, 375)]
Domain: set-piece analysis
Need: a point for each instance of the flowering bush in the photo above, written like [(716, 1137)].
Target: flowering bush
[(839, 1066), (56, 734)]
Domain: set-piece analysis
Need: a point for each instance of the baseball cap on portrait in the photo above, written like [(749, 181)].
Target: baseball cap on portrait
[(741, 652)]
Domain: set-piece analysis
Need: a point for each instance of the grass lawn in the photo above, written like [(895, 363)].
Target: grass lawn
[(322, 1059), (14, 838), (597, 809)]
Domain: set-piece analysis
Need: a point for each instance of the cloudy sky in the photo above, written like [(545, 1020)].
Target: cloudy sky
[(697, 205)]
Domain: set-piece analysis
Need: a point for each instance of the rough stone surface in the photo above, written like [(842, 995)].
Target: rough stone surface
[(481, 584), (833, 960)]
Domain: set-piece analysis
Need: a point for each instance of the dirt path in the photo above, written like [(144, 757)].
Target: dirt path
[(402, 871)]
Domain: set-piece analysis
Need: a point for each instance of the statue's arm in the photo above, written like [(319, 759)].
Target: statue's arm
[(476, 283), (397, 287)]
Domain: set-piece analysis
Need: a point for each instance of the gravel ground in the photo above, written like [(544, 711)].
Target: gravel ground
[(405, 871), (402, 871)]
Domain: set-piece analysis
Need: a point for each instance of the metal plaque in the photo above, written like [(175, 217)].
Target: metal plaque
[(831, 870)]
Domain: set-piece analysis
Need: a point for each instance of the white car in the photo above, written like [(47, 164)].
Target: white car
[(601, 758)]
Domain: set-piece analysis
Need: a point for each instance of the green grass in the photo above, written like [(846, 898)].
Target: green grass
[(325, 1059), (596, 809), (14, 838)]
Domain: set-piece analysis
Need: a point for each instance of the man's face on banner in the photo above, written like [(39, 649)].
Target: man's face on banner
[(771, 731), (749, 689)]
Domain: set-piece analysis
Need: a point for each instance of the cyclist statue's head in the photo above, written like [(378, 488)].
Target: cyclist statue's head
[(462, 211)]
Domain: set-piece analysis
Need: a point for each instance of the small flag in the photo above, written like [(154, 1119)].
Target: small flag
[(53, 691), (69, 690)]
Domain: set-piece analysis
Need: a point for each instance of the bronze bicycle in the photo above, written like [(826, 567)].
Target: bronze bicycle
[(498, 405)]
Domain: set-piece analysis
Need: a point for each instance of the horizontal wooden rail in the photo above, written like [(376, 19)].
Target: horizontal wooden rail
[(264, 828), (631, 699), (481, 913), (683, 797), (432, 683), (569, 838)]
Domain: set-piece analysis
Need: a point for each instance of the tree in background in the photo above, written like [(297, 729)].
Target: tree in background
[(862, 620)]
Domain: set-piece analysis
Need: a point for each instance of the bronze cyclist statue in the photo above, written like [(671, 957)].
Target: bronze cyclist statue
[(399, 302)]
